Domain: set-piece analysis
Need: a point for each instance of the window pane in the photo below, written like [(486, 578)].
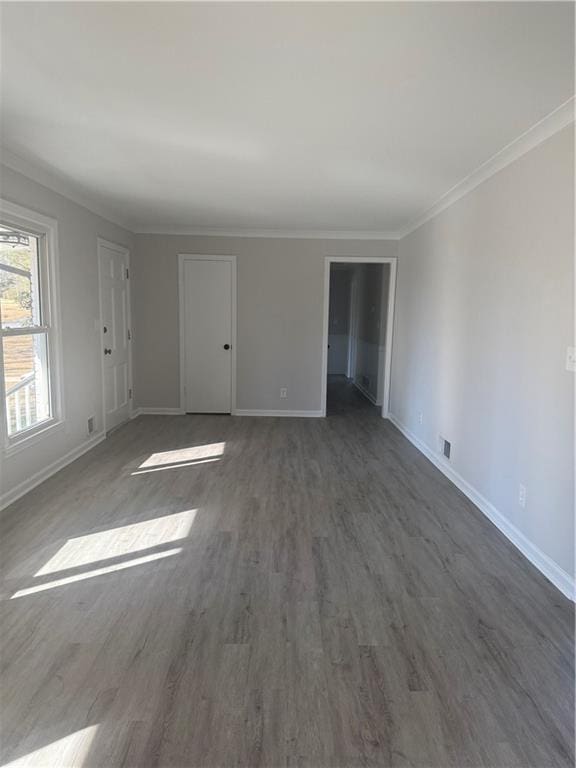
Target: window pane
[(26, 382), (19, 288)]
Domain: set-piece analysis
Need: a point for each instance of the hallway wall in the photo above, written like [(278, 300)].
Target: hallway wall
[(339, 320), (373, 281)]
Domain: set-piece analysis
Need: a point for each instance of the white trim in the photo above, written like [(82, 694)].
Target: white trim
[(44, 429), (551, 570), (182, 257), (27, 485), (157, 412), (287, 234), (47, 227), (125, 252), (355, 260), (542, 130), (365, 392), (51, 178), (290, 414)]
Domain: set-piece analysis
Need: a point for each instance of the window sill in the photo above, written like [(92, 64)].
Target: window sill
[(17, 443)]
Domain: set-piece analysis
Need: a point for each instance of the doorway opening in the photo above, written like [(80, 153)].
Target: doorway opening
[(358, 325)]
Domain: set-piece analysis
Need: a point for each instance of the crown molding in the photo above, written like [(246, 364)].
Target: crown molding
[(49, 178), (553, 122), (288, 234), (541, 131)]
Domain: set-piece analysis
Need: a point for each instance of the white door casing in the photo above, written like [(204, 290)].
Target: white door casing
[(387, 361), (207, 311), (113, 265)]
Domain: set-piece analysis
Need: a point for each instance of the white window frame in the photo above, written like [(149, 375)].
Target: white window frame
[(46, 229)]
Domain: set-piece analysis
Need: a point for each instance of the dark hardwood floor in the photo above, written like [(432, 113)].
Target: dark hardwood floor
[(220, 591)]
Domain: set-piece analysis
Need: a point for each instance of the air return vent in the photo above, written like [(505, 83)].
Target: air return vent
[(445, 447)]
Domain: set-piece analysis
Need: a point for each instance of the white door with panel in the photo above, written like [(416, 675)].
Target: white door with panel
[(207, 301), (115, 333)]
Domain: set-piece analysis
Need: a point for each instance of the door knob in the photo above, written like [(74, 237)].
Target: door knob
[(226, 346), (107, 351)]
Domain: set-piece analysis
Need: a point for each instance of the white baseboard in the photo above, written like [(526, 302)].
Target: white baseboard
[(237, 412), (367, 394), (553, 572), (157, 412), (293, 414), (19, 490)]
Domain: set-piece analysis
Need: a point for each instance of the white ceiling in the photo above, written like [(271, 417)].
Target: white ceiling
[(293, 116)]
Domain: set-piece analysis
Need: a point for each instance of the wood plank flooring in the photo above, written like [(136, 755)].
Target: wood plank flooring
[(218, 591)]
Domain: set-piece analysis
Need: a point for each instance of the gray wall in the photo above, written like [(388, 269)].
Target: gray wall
[(339, 320), (280, 316), (78, 229), (370, 303), (484, 313)]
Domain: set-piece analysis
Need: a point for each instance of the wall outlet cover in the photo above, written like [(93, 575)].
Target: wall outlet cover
[(522, 495)]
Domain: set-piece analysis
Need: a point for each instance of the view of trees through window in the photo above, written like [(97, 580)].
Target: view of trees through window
[(24, 354)]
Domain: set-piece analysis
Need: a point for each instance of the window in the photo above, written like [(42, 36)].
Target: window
[(28, 327)]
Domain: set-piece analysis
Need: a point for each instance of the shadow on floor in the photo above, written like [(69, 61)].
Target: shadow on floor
[(344, 399)]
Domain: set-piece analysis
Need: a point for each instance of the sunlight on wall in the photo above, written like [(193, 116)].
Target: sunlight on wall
[(96, 572), (114, 542), (71, 750)]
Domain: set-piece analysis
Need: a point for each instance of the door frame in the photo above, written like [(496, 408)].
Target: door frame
[(122, 251), (182, 259), (352, 325), (387, 363)]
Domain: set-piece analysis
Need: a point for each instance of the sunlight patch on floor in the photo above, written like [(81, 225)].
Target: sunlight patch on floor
[(71, 750), (115, 542), (179, 465), (97, 572), (191, 454)]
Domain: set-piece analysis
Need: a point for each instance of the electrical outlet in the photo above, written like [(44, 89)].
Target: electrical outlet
[(283, 392), (420, 417), (522, 495), (571, 359)]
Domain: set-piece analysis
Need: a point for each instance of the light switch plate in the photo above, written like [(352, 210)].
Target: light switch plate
[(571, 359)]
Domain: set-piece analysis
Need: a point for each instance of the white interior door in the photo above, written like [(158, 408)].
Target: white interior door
[(207, 301), (113, 264)]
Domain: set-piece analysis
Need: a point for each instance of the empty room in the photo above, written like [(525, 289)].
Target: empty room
[(287, 365)]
